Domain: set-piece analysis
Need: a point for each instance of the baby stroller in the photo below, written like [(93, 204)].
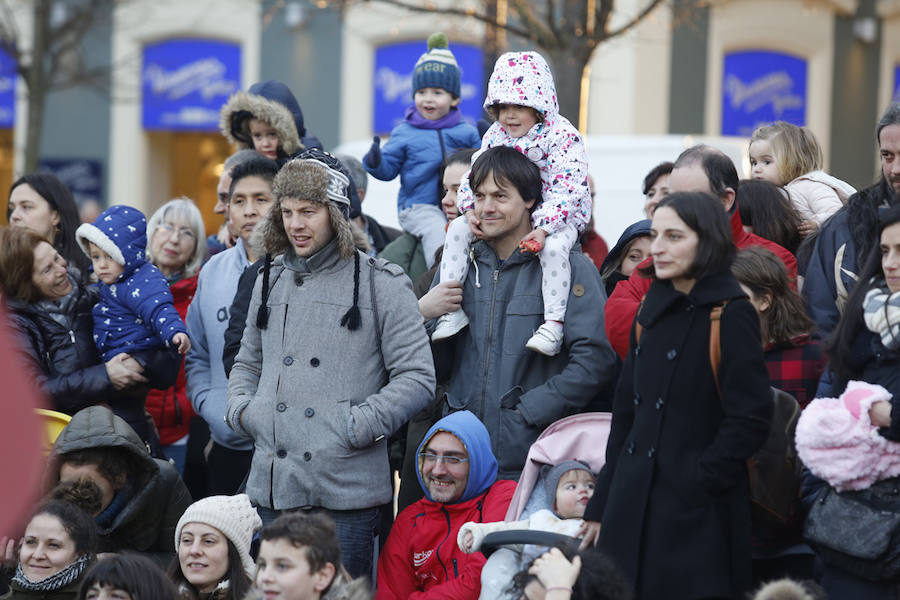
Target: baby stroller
[(582, 437)]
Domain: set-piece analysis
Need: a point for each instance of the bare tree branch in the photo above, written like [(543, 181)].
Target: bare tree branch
[(651, 5), (429, 7), (539, 29)]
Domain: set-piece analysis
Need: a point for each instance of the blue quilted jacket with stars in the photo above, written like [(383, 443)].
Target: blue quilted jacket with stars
[(137, 311)]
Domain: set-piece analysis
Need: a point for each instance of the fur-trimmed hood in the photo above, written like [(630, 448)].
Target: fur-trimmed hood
[(269, 101), (309, 180)]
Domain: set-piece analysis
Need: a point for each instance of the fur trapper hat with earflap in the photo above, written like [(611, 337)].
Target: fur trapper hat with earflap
[(318, 180), (309, 179)]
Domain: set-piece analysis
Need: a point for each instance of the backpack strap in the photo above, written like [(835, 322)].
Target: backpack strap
[(715, 340)]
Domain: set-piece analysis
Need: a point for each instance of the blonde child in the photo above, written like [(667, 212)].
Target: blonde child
[(136, 313), (522, 99), (569, 485), (790, 156)]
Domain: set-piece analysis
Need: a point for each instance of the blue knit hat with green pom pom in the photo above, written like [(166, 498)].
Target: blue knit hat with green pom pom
[(437, 67)]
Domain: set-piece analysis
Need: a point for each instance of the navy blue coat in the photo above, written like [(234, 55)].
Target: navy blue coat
[(137, 312)]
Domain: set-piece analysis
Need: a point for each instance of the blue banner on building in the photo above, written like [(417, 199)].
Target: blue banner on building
[(186, 81), (761, 86), (896, 96), (84, 177), (394, 65), (8, 76)]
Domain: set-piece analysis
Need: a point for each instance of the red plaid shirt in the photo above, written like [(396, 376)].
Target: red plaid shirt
[(795, 367)]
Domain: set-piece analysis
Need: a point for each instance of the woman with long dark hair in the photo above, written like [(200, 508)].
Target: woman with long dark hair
[(865, 346), (42, 203), (673, 497)]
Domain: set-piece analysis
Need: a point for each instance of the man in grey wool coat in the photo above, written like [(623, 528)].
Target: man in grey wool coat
[(334, 359)]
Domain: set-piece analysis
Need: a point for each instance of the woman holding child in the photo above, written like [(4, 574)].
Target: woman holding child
[(673, 498), (51, 309)]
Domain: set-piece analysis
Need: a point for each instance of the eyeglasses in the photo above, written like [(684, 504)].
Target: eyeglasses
[(184, 232), (429, 459)]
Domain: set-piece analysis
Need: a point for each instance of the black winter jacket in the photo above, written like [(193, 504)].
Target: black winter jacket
[(673, 497), (63, 360), (146, 523)]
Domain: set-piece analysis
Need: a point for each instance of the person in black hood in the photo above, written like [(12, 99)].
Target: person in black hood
[(266, 118), (631, 249)]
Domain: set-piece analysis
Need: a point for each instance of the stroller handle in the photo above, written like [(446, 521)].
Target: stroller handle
[(494, 541)]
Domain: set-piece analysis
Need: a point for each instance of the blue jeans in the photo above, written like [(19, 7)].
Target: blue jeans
[(356, 531)]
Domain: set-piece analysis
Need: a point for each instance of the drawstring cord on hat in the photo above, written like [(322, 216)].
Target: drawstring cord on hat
[(352, 319), (262, 316)]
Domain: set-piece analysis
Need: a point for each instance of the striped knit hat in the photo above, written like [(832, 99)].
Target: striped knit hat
[(437, 67)]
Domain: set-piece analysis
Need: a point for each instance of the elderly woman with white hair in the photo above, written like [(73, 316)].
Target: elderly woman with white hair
[(176, 246)]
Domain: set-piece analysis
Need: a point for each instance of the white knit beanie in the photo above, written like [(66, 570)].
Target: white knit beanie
[(232, 515)]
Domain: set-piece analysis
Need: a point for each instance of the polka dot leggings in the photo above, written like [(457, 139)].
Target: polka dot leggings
[(554, 258)]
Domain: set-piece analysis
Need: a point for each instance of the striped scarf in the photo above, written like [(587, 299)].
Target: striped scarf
[(881, 312), (57, 580)]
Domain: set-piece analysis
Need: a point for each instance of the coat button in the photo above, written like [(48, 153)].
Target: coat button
[(281, 407), (630, 449), (671, 354), (314, 362), (281, 453), (309, 412), (659, 403), (651, 452), (288, 360), (637, 399), (307, 456), (637, 350)]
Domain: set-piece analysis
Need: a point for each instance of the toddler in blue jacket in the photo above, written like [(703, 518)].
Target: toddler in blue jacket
[(135, 313), (432, 130)]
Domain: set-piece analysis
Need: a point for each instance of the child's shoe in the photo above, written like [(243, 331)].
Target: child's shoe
[(449, 325), (547, 339)]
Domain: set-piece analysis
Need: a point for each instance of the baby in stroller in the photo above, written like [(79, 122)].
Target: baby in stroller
[(552, 494)]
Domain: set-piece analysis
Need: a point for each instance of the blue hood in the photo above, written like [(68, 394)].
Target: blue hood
[(474, 436), (632, 231), (121, 232)]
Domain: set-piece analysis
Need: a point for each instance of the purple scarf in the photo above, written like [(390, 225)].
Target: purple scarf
[(415, 119)]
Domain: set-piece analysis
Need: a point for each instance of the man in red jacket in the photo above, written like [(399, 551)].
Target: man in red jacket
[(700, 168), (458, 472)]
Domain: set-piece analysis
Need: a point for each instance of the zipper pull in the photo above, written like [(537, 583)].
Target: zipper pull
[(496, 275), (72, 336)]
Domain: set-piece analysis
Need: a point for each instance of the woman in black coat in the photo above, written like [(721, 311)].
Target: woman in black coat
[(673, 498), (51, 310)]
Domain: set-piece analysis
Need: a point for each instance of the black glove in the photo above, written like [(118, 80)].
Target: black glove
[(373, 156)]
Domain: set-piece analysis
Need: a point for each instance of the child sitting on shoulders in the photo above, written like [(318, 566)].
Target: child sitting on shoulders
[(432, 130), (569, 486), (136, 313), (522, 98), (790, 156), (266, 118)]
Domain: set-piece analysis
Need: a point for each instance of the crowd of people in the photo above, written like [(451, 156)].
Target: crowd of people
[(241, 403)]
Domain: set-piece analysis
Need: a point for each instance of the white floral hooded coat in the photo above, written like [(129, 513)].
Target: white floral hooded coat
[(554, 145)]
